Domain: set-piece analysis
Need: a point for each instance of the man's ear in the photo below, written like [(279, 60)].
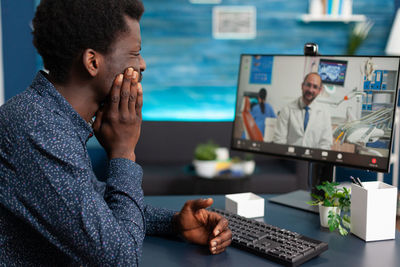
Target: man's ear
[(92, 61)]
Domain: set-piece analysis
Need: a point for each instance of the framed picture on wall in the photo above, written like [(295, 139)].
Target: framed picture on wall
[(205, 1), (234, 22)]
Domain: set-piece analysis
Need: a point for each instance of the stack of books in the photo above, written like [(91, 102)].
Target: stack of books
[(331, 10), (336, 7)]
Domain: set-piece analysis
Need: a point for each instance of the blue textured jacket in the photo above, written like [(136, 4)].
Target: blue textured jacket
[(53, 210)]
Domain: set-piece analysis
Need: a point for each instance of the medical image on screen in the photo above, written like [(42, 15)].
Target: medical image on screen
[(334, 109), (332, 71)]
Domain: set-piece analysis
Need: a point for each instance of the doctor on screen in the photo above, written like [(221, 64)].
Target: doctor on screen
[(304, 122)]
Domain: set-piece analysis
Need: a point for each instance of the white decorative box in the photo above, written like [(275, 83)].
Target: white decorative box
[(373, 211), (248, 205)]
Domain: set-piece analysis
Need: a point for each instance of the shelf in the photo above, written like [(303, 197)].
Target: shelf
[(380, 91), (332, 18)]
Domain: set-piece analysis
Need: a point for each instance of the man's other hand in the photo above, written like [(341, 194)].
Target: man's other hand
[(198, 225)]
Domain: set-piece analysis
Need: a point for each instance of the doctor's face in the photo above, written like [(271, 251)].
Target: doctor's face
[(311, 87)]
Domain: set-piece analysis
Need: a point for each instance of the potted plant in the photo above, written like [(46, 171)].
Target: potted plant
[(334, 206), (249, 164), (242, 167), (358, 35), (236, 168), (205, 159)]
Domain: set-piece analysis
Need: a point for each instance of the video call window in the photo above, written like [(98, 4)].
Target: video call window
[(332, 109)]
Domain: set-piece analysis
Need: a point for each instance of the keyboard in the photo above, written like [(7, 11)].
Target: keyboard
[(271, 242)]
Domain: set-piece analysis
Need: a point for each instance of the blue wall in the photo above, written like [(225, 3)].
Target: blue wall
[(190, 75), (19, 56)]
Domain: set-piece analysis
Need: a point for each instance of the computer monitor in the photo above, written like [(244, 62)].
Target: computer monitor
[(350, 117)]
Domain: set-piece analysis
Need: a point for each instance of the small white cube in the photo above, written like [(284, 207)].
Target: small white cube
[(248, 205)]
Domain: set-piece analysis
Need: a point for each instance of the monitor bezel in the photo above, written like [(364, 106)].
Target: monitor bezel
[(386, 168)]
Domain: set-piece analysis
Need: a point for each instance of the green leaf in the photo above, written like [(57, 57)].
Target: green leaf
[(206, 151), (319, 187), (346, 221), (333, 221), (313, 203), (328, 203), (319, 198), (342, 231), (346, 191)]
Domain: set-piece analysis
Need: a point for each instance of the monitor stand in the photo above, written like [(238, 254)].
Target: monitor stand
[(317, 173)]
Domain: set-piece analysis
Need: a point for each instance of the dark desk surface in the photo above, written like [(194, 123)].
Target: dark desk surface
[(343, 251)]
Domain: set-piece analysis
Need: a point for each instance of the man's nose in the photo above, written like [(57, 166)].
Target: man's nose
[(142, 64)]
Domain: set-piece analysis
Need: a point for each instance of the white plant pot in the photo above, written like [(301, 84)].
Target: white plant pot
[(222, 153), (248, 167), (324, 212), (205, 168)]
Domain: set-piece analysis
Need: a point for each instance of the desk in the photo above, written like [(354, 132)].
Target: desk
[(343, 251)]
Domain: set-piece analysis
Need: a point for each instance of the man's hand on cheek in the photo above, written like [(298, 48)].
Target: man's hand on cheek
[(118, 121), (198, 225)]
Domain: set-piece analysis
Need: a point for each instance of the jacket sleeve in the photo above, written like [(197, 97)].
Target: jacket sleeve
[(327, 137), (281, 129), (158, 220), (56, 196)]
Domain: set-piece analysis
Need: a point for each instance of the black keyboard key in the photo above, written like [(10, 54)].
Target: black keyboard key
[(274, 252), (297, 257)]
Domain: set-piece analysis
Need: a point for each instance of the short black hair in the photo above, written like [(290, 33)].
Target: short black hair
[(63, 29)]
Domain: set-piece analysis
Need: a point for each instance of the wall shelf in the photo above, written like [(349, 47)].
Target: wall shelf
[(332, 18)]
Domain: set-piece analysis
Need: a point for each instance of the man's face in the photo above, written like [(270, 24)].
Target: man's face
[(311, 88), (124, 53)]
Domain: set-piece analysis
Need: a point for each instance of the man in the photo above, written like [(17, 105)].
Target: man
[(304, 122), (53, 211)]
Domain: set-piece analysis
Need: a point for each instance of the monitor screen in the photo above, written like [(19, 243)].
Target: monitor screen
[(332, 71), (333, 109)]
